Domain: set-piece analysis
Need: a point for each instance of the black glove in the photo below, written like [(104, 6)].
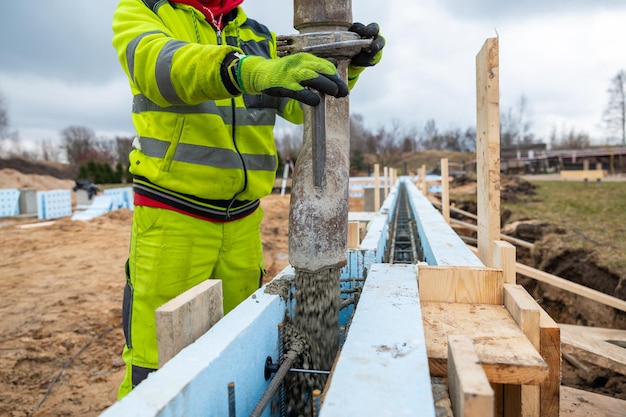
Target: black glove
[(368, 57)]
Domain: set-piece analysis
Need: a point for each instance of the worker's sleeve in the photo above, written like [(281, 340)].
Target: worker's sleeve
[(167, 70)]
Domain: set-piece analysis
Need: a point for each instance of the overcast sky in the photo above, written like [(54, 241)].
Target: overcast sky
[(58, 68)]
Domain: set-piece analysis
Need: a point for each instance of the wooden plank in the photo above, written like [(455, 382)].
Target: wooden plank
[(551, 353), (182, 320), (470, 391), (510, 239), (525, 311), (506, 354), (579, 403), (601, 333), (504, 259), (488, 148), (592, 350), (445, 190), (588, 174), (354, 239), (570, 286), (460, 284)]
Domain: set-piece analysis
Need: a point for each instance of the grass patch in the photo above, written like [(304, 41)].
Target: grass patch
[(595, 217)]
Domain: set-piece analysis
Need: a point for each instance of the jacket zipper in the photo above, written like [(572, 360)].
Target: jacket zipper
[(233, 107)]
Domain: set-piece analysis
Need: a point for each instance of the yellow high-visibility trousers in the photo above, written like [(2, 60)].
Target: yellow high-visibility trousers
[(170, 253)]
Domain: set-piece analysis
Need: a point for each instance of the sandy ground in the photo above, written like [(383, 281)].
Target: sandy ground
[(61, 284)]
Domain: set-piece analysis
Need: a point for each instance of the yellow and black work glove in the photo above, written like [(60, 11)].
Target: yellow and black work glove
[(291, 76), (368, 57)]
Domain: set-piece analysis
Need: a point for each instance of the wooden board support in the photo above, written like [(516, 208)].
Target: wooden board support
[(550, 339), (570, 286), (525, 311), (470, 391), (505, 352), (579, 403), (592, 349), (504, 259), (488, 148), (182, 320), (460, 284)]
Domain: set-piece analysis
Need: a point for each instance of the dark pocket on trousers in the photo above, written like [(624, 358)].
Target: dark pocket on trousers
[(127, 309)]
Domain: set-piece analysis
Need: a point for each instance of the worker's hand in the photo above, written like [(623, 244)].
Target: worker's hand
[(290, 76), (368, 57)]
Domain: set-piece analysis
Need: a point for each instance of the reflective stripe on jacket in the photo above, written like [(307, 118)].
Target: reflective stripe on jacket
[(194, 137)]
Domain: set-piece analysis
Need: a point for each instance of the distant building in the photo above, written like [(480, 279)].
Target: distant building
[(535, 158)]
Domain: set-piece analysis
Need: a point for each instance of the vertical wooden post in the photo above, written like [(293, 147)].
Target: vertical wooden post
[(386, 182), (488, 148), (423, 184), (376, 187), (445, 190), (354, 239)]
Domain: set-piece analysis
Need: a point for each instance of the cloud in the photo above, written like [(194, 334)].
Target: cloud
[(53, 105), (522, 9), (58, 67), (64, 40)]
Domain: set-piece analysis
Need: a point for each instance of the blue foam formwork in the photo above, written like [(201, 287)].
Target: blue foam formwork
[(121, 197), (440, 243), (54, 204), (9, 202), (382, 368), (195, 381)]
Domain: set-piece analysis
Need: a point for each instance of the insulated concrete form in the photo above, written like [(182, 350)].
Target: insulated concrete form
[(382, 369), (9, 202), (54, 204), (440, 243), (195, 382)]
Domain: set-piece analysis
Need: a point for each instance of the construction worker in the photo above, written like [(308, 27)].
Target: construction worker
[(207, 86)]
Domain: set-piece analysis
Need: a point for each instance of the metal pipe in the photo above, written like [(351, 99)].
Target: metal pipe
[(318, 214), (273, 386), (319, 143), (231, 399), (309, 371), (317, 402), (281, 355)]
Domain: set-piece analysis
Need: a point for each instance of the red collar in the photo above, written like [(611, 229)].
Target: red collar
[(213, 10)]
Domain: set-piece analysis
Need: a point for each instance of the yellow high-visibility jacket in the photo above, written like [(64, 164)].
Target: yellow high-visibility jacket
[(197, 142)]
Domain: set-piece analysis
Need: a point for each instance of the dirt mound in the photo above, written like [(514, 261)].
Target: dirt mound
[(11, 178), (52, 169)]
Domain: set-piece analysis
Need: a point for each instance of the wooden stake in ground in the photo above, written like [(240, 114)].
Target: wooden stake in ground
[(488, 148)]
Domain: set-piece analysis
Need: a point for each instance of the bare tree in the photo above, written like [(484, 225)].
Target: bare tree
[(123, 147), (615, 112), (4, 117), (515, 124), (289, 142), (81, 146), (50, 151), (569, 139)]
